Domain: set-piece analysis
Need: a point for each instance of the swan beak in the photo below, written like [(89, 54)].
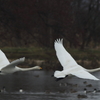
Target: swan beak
[(40, 67)]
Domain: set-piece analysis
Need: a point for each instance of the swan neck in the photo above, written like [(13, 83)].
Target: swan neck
[(26, 69), (93, 70)]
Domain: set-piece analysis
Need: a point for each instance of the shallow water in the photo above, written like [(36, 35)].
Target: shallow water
[(39, 85)]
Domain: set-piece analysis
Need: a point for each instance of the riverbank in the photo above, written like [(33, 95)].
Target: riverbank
[(46, 57)]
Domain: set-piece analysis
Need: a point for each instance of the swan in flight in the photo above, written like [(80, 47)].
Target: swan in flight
[(6, 67), (70, 66)]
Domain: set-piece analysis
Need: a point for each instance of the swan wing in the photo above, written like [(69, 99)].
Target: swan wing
[(83, 74), (3, 60), (13, 64), (63, 56)]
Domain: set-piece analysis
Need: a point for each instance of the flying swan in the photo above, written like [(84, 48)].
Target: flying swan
[(70, 66), (7, 68)]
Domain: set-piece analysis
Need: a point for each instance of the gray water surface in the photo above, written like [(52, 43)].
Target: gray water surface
[(39, 85)]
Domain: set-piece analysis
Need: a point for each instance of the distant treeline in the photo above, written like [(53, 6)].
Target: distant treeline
[(40, 22)]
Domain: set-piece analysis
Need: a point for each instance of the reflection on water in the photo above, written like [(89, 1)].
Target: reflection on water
[(39, 85)]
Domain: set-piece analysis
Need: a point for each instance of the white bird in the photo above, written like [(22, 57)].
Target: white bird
[(70, 66), (6, 67), (20, 90), (95, 90), (3, 90), (85, 90)]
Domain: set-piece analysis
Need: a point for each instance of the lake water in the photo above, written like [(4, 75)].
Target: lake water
[(39, 85)]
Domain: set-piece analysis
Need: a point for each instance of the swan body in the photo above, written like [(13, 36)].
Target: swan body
[(70, 66), (7, 68)]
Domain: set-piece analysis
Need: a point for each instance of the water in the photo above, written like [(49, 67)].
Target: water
[(39, 85)]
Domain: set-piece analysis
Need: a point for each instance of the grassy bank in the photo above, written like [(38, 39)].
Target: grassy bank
[(32, 53), (47, 53), (87, 58)]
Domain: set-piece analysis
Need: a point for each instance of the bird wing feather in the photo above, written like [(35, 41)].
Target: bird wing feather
[(13, 64), (3, 60), (63, 56), (83, 74)]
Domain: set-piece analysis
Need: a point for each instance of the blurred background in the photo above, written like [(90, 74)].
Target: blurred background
[(29, 28)]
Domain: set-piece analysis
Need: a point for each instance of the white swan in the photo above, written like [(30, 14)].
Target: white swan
[(6, 67), (70, 66)]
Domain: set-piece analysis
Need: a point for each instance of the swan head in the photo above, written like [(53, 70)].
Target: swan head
[(59, 74), (37, 67)]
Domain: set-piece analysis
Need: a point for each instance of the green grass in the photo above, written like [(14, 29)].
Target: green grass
[(34, 52), (48, 54)]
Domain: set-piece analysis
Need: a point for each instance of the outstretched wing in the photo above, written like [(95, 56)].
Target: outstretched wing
[(12, 65), (84, 74), (64, 57), (3, 60)]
